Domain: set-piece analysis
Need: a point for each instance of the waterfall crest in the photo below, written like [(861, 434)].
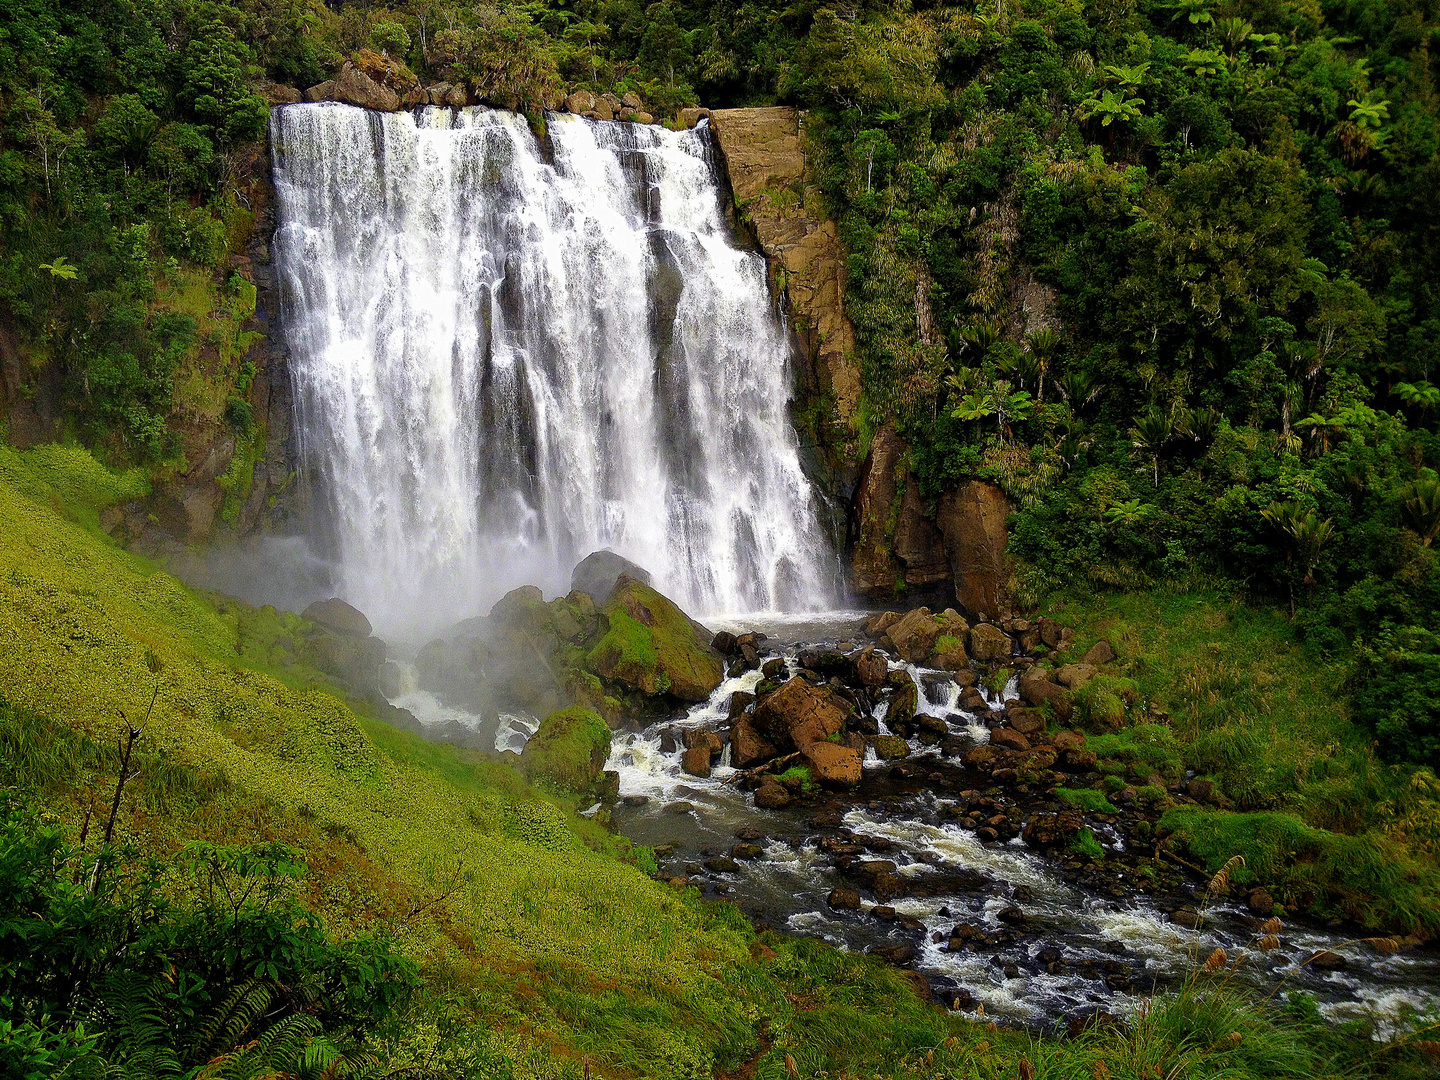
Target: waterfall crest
[(502, 363)]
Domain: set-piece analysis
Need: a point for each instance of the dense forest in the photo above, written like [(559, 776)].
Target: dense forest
[(1167, 273)]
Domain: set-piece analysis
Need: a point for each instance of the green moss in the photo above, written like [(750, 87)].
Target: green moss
[(69, 481), (1085, 844), (1087, 799), (568, 749), (798, 774), (652, 646), (1100, 703), (1151, 747)]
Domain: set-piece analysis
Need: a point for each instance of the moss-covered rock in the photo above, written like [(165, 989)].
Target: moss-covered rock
[(653, 647), (569, 750)]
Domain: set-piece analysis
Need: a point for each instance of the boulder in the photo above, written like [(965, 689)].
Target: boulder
[(276, 94), (832, 764), (1038, 690), (972, 520), (1260, 902), (1009, 739), (690, 117), (581, 101), (1099, 654), (843, 899), (903, 703), (914, 635), (902, 953), (354, 87), (872, 668), (696, 760), (437, 93), (457, 98), (723, 643), (879, 624), (739, 702), (1080, 760), (321, 91), (632, 102), (600, 571), (1027, 722), (771, 796), (748, 748), (653, 647), (980, 757), (1075, 676), (335, 614), (1069, 740), (643, 117), (1052, 830), (889, 747), (798, 714), (989, 643), (949, 653), (1326, 960), (569, 749)]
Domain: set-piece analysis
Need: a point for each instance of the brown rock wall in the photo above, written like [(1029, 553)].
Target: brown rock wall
[(765, 160)]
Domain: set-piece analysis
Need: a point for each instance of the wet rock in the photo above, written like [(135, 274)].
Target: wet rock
[(722, 865), (1012, 916), (889, 747), (749, 747), (569, 749), (771, 796), (903, 702), (949, 654), (1260, 902), (957, 999), (971, 519), (1009, 739), (773, 669), (843, 899), (980, 757), (884, 913), (1099, 654), (1048, 955), (749, 655), (739, 702), (680, 807), (1186, 917), (696, 760), (1080, 760), (827, 819), (635, 800), (747, 851), (1098, 1020), (1068, 740), (335, 614), (1119, 982), (798, 714), (872, 668), (987, 835), (931, 728), (723, 643), (989, 643), (833, 765), (1326, 960), (1047, 831), (902, 953)]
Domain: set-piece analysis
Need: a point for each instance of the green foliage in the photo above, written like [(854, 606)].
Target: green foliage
[(1085, 844)]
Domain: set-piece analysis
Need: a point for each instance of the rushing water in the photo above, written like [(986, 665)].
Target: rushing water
[(507, 355), (1101, 937)]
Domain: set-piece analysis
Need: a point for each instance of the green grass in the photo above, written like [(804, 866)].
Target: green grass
[(1226, 689), (544, 952)]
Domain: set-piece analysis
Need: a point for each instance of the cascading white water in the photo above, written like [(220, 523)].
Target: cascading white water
[(502, 363)]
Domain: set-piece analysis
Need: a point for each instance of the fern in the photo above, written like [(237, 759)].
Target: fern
[(138, 1027), (222, 1031)]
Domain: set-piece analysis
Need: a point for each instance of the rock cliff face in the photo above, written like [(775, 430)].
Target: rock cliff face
[(901, 548), (765, 160)]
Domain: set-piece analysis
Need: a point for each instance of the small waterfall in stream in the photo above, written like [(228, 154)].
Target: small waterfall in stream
[(504, 362)]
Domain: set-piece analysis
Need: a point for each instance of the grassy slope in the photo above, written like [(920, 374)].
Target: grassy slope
[(548, 952), (1314, 810)]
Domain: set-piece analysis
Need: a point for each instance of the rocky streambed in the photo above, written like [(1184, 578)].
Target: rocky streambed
[(966, 850)]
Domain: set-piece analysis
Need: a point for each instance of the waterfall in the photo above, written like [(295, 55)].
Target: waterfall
[(506, 356)]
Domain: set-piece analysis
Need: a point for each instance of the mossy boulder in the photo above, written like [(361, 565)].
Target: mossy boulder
[(653, 647), (569, 750)]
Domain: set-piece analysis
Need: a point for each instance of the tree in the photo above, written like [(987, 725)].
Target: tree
[(1150, 434), (1308, 534), (1111, 106), (1421, 500)]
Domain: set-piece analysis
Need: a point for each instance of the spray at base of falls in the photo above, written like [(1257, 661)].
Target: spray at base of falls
[(504, 362)]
